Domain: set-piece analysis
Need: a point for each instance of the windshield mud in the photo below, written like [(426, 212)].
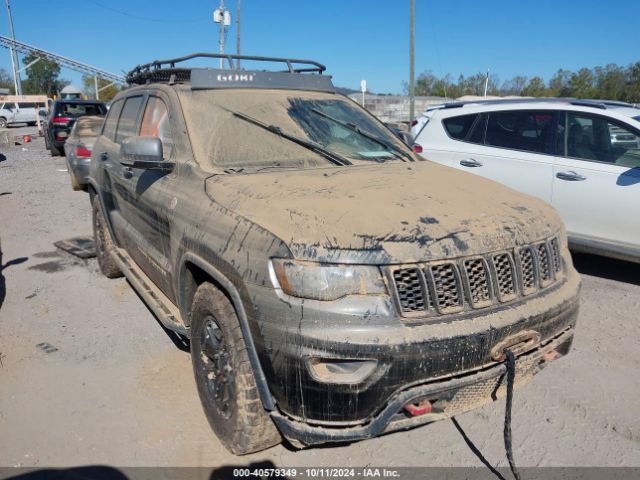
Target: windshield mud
[(289, 129)]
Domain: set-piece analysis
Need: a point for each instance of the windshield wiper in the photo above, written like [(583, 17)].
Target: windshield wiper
[(329, 155), (354, 128)]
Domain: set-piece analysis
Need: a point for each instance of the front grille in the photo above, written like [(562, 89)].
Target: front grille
[(527, 270), (478, 279), (555, 255), (409, 287), (446, 286), (477, 282), (543, 261), (504, 276)]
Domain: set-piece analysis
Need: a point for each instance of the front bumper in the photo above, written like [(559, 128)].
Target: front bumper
[(448, 397), (292, 335)]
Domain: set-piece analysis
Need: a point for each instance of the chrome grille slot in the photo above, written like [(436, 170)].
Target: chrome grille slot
[(478, 282), (409, 286), (504, 276), (556, 260), (543, 263), (446, 286), (527, 270)]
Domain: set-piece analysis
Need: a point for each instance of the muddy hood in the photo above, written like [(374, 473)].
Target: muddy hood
[(381, 214)]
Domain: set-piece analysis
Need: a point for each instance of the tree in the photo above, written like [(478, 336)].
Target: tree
[(559, 84), (535, 88), (610, 82), (6, 81), (106, 95), (581, 84), (43, 77), (632, 80), (515, 86)]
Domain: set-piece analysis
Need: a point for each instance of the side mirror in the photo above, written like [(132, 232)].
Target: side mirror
[(144, 153)]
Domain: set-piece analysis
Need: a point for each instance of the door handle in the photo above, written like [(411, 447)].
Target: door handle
[(470, 162), (570, 176), (104, 156), (127, 172)]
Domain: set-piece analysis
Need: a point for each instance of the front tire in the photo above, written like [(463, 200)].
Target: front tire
[(103, 243), (224, 376), (3, 122)]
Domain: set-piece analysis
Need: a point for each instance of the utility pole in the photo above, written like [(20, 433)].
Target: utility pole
[(412, 73), (238, 31), (222, 16), (222, 33), (14, 56), (95, 86)]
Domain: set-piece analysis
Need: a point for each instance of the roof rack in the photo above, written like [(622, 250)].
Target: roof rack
[(602, 104), (167, 71)]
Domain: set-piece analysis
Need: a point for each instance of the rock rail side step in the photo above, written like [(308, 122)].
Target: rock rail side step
[(160, 305)]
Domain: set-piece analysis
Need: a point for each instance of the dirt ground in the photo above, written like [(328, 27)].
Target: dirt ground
[(88, 376)]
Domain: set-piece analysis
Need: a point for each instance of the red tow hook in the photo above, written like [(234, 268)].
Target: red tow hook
[(420, 408)]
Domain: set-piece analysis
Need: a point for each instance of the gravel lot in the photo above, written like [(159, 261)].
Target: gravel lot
[(118, 391)]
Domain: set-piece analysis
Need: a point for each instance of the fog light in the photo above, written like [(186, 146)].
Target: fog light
[(334, 370)]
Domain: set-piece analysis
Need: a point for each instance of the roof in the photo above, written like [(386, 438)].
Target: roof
[(79, 100), (298, 75), (615, 108)]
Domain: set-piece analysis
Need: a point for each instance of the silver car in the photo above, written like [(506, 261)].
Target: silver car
[(78, 149)]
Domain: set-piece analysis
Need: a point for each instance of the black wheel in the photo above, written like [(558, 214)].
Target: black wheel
[(46, 142), (104, 244), (3, 122), (55, 151), (224, 376)]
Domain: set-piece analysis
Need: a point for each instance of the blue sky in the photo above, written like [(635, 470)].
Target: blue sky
[(356, 39)]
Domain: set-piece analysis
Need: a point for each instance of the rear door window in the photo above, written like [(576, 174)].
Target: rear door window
[(111, 122), (530, 131), (128, 123)]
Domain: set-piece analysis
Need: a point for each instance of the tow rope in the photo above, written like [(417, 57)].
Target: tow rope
[(510, 363)]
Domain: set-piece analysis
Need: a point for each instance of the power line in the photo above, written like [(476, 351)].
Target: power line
[(138, 17)]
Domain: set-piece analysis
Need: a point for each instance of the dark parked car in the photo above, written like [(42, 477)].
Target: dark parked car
[(78, 149), (333, 286), (62, 116)]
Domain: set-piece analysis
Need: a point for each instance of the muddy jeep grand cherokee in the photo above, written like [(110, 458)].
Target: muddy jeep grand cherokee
[(333, 288)]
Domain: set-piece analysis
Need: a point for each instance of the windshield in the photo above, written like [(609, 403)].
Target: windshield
[(637, 118), (273, 128)]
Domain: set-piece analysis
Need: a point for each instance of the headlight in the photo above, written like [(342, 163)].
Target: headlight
[(320, 281)]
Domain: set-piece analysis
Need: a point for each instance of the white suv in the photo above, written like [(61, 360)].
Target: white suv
[(581, 156)]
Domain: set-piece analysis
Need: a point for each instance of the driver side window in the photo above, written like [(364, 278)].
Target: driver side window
[(155, 123)]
